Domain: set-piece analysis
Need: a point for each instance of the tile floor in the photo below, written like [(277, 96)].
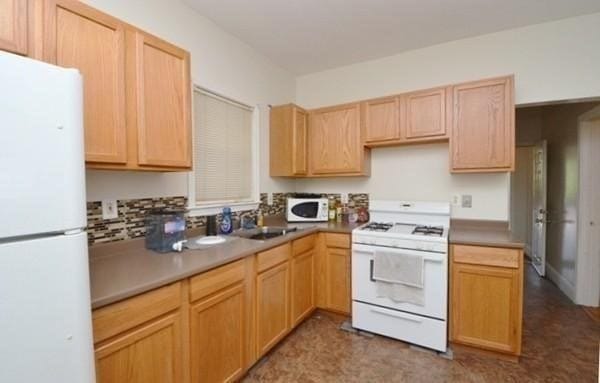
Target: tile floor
[(560, 344)]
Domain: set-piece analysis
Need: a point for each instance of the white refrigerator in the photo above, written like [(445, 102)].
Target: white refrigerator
[(45, 312)]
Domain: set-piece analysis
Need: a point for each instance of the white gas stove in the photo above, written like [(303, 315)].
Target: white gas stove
[(403, 228)]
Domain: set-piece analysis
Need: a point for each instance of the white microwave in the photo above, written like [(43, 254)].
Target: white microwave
[(307, 209)]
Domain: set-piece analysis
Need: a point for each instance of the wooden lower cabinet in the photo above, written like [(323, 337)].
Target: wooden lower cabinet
[(217, 336), (149, 354), (487, 298), (338, 280), (333, 274), (303, 286), (214, 326), (272, 306)]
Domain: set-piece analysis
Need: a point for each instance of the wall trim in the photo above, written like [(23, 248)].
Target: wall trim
[(561, 282)]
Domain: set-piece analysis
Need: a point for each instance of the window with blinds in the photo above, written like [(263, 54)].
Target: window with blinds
[(223, 149)]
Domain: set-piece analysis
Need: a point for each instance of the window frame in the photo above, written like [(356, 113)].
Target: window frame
[(196, 208)]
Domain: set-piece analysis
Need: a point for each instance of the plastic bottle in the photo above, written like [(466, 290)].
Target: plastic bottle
[(226, 223)]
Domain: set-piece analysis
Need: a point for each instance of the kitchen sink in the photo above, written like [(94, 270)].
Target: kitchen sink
[(264, 233)]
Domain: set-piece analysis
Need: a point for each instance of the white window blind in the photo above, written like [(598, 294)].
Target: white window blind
[(223, 149)]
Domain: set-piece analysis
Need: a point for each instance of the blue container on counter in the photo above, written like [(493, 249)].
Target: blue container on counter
[(226, 221)]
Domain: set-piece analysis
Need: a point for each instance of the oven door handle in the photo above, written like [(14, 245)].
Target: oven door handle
[(372, 254), (395, 314)]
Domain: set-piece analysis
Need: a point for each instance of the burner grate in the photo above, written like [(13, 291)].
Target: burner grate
[(378, 226), (429, 230)]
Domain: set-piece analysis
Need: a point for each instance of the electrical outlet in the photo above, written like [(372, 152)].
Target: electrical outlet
[(270, 199), (467, 200), (344, 198), (456, 200), (109, 209)]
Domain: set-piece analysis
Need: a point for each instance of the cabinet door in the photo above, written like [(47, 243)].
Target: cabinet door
[(299, 145), (162, 90), (335, 140), (78, 36), (382, 120), (486, 307), (426, 114), (218, 336), (483, 129), (148, 354), (338, 280), (272, 306), (13, 26), (303, 286)]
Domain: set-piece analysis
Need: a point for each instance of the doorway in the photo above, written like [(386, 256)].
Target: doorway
[(547, 190)]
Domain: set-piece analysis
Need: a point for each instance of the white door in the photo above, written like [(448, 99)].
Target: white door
[(540, 212), (42, 170), (588, 259), (45, 311)]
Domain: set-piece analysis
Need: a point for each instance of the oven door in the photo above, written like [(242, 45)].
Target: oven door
[(435, 277)]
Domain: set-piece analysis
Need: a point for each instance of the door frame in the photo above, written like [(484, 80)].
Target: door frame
[(587, 289)]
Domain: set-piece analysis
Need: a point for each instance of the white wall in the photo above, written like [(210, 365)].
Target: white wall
[(551, 61), (421, 173), (220, 62)]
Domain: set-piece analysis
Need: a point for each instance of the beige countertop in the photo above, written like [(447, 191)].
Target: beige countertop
[(123, 269), (483, 233)]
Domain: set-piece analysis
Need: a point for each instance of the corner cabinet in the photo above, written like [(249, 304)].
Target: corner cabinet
[(486, 298), (288, 141), (336, 142), (483, 128), (137, 91), (14, 24)]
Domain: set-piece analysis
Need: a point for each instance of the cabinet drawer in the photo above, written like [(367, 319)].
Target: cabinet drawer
[(273, 257), (303, 245), (423, 331), (212, 281), (487, 256), (111, 320), (337, 240)]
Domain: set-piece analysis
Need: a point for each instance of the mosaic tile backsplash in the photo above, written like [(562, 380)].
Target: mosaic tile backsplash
[(131, 219)]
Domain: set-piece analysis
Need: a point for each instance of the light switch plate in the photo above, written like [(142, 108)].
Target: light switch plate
[(109, 209), (467, 201), (344, 198), (270, 199)]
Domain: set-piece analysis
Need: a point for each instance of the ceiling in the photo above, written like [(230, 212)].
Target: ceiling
[(306, 36)]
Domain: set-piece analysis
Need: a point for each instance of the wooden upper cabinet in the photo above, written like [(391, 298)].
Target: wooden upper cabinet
[(483, 130), (78, 36), (427, 114), (161, 101), (288, 141), (335, 141), (381, 119), (14, 26)]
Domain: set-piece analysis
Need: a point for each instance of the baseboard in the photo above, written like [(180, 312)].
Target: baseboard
[(563, 284)]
